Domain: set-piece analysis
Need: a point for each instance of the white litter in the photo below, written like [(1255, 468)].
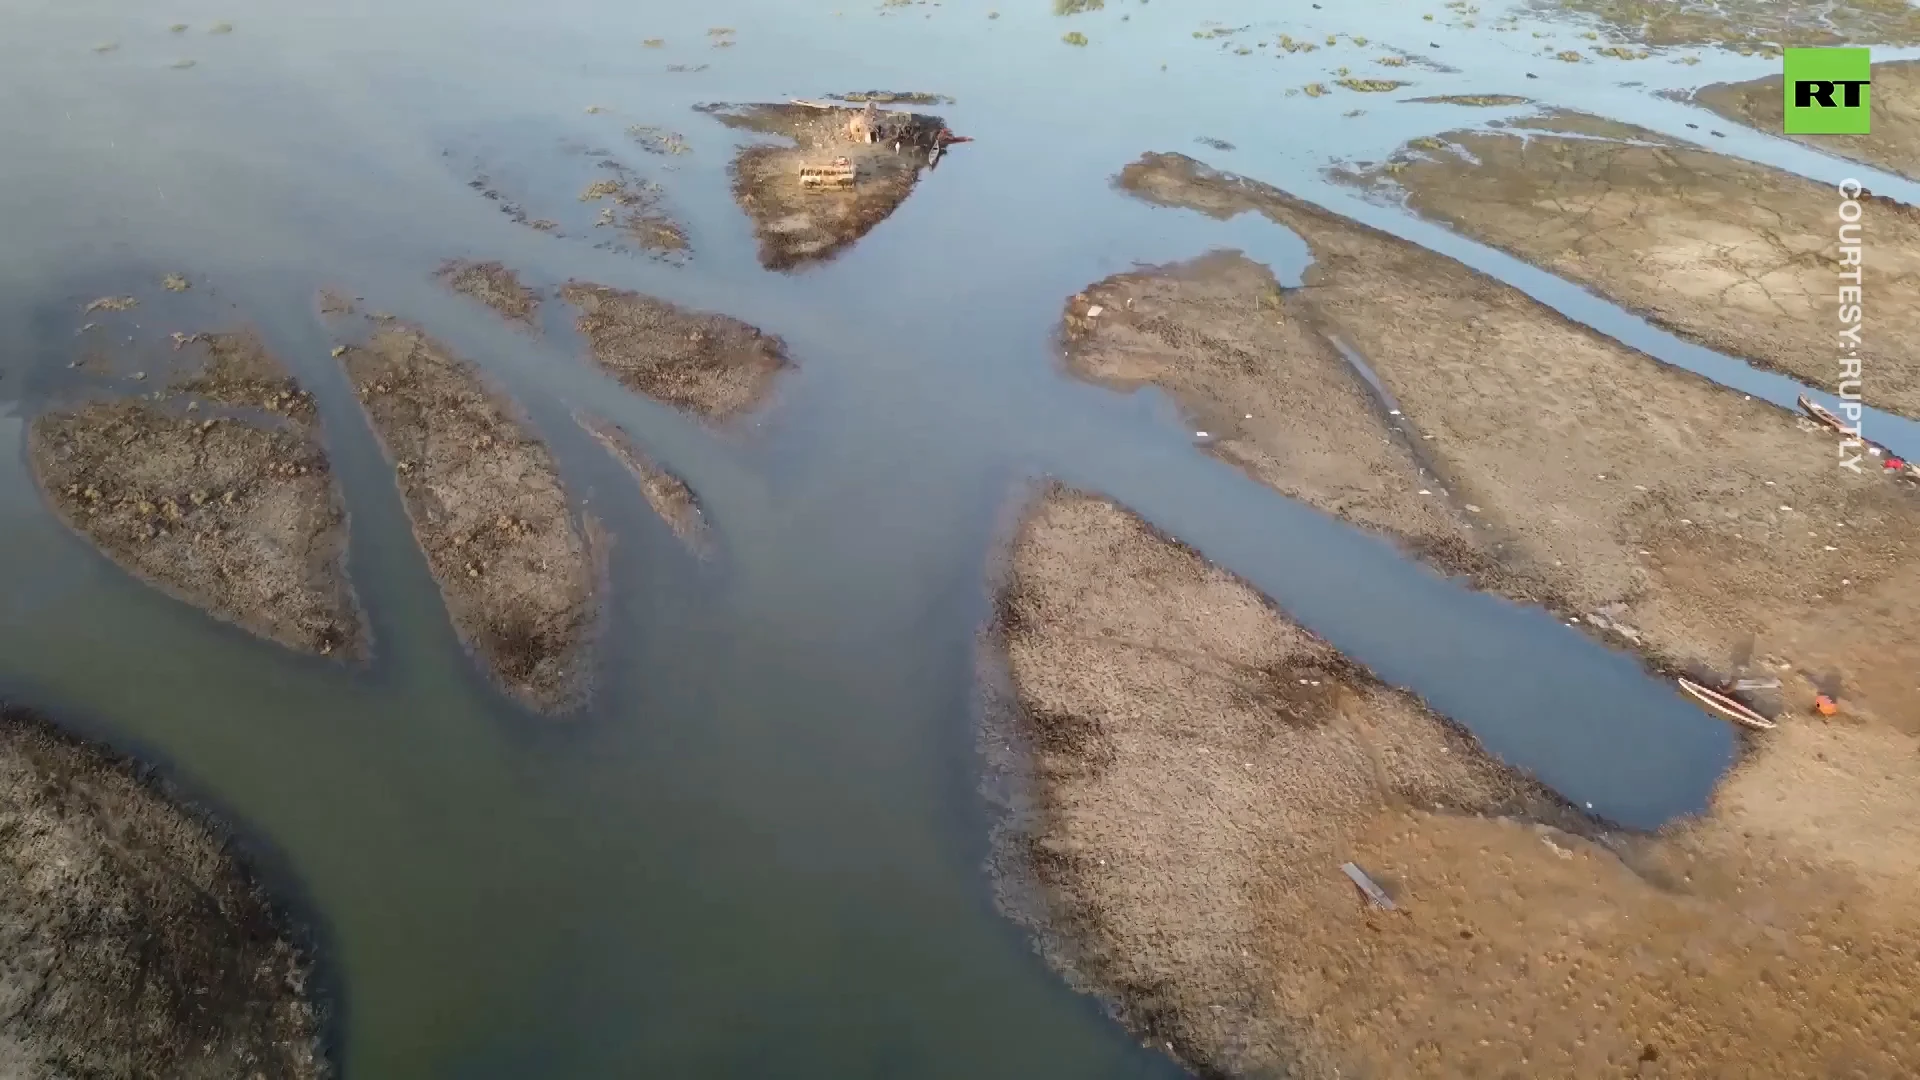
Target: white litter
[(1393, 412), (1199, 434), (1424, 491), (1094, 311)]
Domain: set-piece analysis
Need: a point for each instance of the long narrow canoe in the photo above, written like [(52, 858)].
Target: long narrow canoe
[(1725, 707), (1823, 414)]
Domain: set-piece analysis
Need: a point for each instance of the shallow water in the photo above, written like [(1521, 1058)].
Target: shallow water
[(760, 853)]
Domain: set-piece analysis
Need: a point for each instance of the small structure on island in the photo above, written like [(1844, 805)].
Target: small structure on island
[(836, 175), (870, 125)]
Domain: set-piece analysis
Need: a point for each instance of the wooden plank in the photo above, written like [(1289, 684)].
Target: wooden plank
[(1375, 894)]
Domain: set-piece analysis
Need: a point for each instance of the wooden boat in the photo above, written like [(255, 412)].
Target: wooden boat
[(1724, 707), (1823, 415)]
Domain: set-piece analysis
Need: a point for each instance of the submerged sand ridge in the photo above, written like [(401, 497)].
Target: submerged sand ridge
[(1707, 531), (232, 508), (1203, 768), (132, 941), (487, 507), (1739, 257)]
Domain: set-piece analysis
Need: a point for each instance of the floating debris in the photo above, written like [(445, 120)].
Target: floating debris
[(220, 28), (1075, 38), (175, 283), (112, 303), (182, 65)]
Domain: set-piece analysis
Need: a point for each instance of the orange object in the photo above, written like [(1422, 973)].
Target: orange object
[(1824, 705)]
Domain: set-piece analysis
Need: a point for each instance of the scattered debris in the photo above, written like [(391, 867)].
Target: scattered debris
[(175, 283), (112, 303)]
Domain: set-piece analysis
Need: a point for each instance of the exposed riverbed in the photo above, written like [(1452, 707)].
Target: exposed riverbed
[(756, 846)]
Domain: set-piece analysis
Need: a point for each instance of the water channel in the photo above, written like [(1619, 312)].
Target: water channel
[(760, 852)]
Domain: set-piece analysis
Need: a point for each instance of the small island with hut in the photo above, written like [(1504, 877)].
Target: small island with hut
[(844, 170)]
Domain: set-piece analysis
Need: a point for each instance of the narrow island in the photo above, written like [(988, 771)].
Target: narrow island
[(220, 494)]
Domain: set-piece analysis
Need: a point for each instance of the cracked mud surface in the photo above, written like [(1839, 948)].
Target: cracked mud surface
[(794, 225), (229, 506), (1894, 144), (667, 494), (494, 285), (487, 507), (1738, 257), (1714, 527), (1195, 801), (132, 943), (1752, 24), (708, 364)]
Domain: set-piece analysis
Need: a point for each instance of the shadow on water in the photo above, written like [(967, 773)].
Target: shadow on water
[(758, 852)]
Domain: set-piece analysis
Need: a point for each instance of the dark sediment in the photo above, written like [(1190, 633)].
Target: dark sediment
[(133, 943)]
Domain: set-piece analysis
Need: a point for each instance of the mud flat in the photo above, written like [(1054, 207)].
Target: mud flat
[(1704, 528), (494, 285), (1738, 257), (488, 509), (708, 364), (667, 494), (1894, 144), (1751, 25), (133, 943), (796, 225), (1201, 768), (225, 501)]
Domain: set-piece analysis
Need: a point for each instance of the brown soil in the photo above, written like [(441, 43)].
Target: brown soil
[(1204, 767), (1711, 526), (669, 495), (1753, 25), (132, 943), (705, 363), (234, 513), (487, 507), (796, 226), (494, 285), (1739, 257), (1894, 144)]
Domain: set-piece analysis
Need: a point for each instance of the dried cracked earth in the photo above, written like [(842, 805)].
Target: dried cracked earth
[(1203, 766), (1738, 257)]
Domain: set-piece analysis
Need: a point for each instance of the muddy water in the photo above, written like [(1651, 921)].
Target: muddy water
[(759, 854)]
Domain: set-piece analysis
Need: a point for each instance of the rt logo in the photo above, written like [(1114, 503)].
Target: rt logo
[(1828, 91)]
